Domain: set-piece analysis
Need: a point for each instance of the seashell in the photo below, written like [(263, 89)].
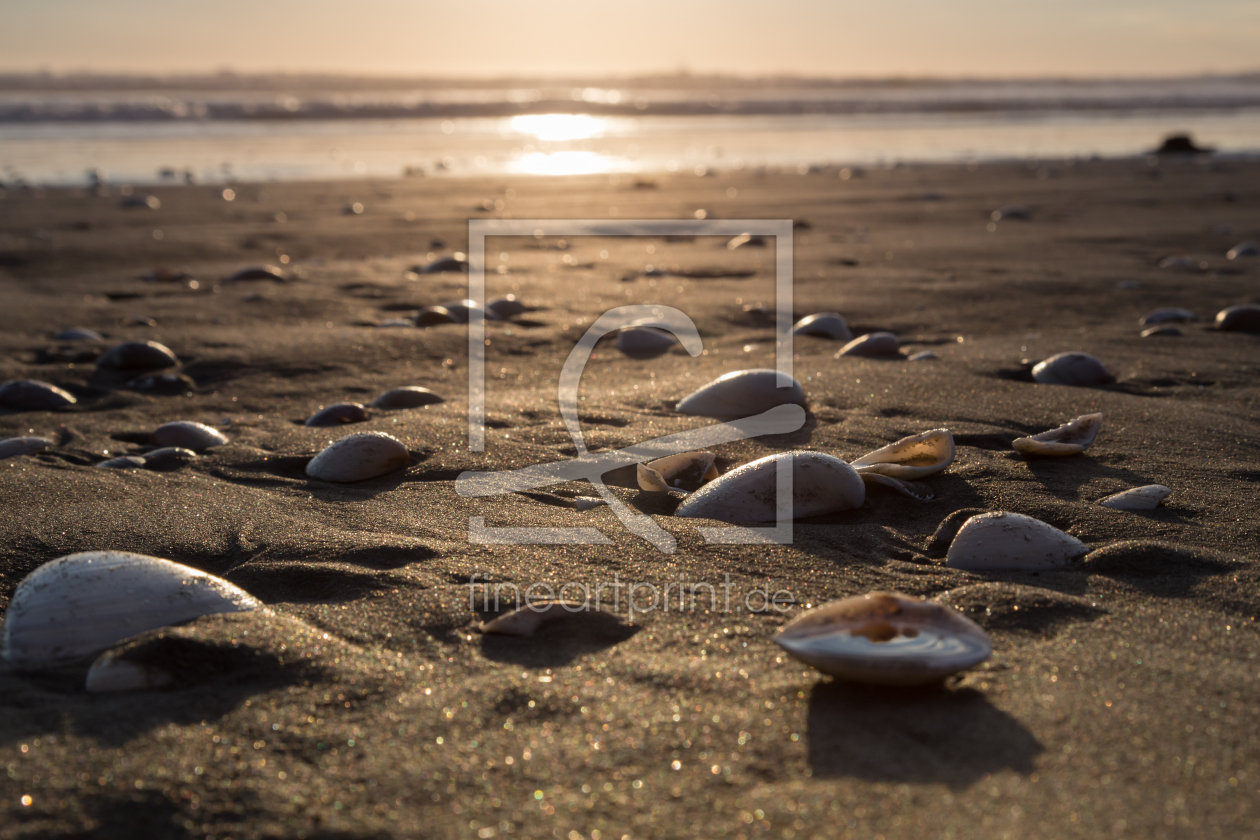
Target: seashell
[(338, 414), (1184, 263), (923, 356), (1070, 438), (141, 321), (408, 396), (163, 383), (81, 604), (257, 272), (1071, 369), (1013, 211), (1243, 249), (825, 324), (916, 456), (820, 484), (684, 471), (644, 341), (13, 447), (122, 462), (358, 458), (77, 334), (1166, 330), (1244, 318), (1002, 540), (138, 355), (1167, 315), (149, 202), (457, 262), (526, 620), (885, 638), (506, 308), (872, 344), (741, 393), (431, 315), (109, 673), (588, 502), (188, 435), (1138, 498), (168, 457), (33, 395), (462, 310)]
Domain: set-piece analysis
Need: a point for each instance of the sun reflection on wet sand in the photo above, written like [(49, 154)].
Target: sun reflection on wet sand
[(568, 163), (558, 127)]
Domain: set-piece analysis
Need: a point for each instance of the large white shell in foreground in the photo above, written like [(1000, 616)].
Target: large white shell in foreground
[(13, 447), (1070, 438), (742, 393), (872, 344), (1071, 368), (1002, 540), (911, 457), (684, 471), (358, 458), (824, 324), (886, 638), (83, 603), (1138, 498), (746, 495), (186, 434)]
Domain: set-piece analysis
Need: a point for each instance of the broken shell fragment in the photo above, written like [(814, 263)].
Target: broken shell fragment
[(911, 457), (13, 447), (742, 393), (824, 324), (1070, 438), (886, 638), (644, 341), (872, 344), (1071, 368), (33, 395), (1244, 318), (526, 620), (506, 308), (747, 494), (684, 471), (81, 604), (1002, 540), (138, 355), (187, 435), (1168, 315), (408, 396), (1138, 498), (338, 414), (358, 458)]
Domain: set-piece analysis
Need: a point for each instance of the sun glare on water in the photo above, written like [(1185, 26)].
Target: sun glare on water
[(554, 128)]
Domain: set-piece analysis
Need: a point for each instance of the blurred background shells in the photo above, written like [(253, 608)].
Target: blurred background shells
[(33, 395), (138, 355), (824, 325), (408, 396), (1072, 368)]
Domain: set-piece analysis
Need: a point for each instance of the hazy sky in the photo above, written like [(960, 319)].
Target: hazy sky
[(586, 37)]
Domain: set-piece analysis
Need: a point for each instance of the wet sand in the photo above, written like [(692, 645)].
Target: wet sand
[(1121, 699)]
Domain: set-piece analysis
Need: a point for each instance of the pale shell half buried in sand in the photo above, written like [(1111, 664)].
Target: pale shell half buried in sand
[(526, 620), (187, 435), (338, 414), (83, 603), (872, 344), (13, 447), (742, 393), (1071, 368), (1069, 439), (1138, 498), (820, 484), (1002, 540), (825, 325), (644, 341), (885, 638), (358, 458), (408, 396), (684, 471)]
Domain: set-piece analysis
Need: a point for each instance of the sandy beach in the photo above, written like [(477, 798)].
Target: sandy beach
[(1122, 698)]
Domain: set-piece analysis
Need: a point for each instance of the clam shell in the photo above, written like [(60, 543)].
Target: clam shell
[(408, 396), (1070, 438), (1244, 318), (358, 458), (187, 435), (1071, 368), (886, 638), (78, 334), (111, 673), (1167, 330), (168, 457), (1242, 249), (506, 308), (526, 620), (644, 341), (872, 344), (13, 447), (338, 414), (911, 457), (122, 462), (1002, 540), (33, 395), (741, 393), (684, 471), (433, 315), (462, 310), (81, 604), (1167, 315), (138, 355), (746, 495), (257, 272), (825, 324), (1138, 498), (442, 264)]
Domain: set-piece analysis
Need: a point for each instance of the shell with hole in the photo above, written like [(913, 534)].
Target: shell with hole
[(874, 344), (1069, 439), (13, 447), (824, 325), (138, 355), (338, 414), (742, 393), (186, 434), (1003, 540), (358, 458), (1148, 497), (886, 638), (747, 494), (684, 471), (80, 604), (644, 341), (1073, 368), (916, 456), (526, 620), (408, 396)]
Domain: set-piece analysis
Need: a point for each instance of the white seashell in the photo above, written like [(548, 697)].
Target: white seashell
[(358, 458), (187, 435), (526, 620), (506, 308), (742, 393), (110, 673), (1070, 438), (1138, 498), (886, 638), (911, 457), (1002, 540), (138, 355), (78, 334), (820, 484), (825, 324), (644, 341), (1244, 318), (1167, 330), (1243, 249), (122, 462), (462, 310), (338, 414), (33, 395), (81, 604), (684, 471), (1166, 315), (872, 344), (408, 396), (13, 447), (923, 356), (1071, 369)]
